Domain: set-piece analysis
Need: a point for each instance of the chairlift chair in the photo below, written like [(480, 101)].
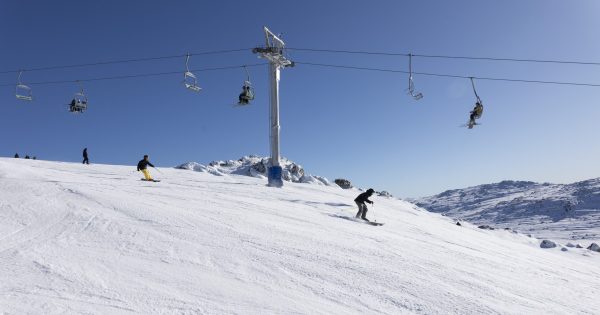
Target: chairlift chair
[(79, 102), (189, 79), (477, 110), (22, 91), (411, 83), (247, 93)]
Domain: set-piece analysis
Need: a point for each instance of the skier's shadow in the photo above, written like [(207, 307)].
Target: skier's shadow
[(339, 216), (315, 203)]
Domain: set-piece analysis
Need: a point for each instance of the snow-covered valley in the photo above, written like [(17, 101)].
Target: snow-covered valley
[(568, 212), (95, 239)]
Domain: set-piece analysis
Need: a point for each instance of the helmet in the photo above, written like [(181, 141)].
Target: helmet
[(370, 190)]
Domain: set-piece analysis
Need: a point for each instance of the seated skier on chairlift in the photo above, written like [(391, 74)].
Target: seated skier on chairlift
[(72, 105), (246, 95), (476, 113), (77, 105)]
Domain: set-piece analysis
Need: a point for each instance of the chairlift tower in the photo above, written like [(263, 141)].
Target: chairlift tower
[(274, 52)]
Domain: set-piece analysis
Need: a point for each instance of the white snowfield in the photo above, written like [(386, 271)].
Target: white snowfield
[(97, 240)]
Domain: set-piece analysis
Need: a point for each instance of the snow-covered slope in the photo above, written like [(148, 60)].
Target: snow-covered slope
[(96, 239), (563, 212)]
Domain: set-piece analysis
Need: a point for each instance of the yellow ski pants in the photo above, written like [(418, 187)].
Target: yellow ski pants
[(146, 174)]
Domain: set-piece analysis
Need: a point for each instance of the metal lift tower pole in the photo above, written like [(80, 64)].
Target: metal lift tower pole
[(274, 53)]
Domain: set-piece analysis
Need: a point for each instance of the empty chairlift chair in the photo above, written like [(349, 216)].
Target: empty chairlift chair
[(22, 91), (189, 79)]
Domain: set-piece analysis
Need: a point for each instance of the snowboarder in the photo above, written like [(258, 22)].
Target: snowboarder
[(16, 155), (143, 167), (85, 157), (360, 202)]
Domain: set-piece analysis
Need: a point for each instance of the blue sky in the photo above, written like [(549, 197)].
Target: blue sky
[(335, 122)]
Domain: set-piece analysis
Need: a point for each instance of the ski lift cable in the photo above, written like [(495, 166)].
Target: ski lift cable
[(305, 49), (448, 75), (101, 63), (138, 75), (574, 62)]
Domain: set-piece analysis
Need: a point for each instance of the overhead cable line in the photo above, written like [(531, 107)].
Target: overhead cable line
[(101, 63), (448, 75), (448, 57), (137, 75)]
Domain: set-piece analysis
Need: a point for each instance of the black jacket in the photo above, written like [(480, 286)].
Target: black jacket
[(364, 197), (143, 164), (85, 153)]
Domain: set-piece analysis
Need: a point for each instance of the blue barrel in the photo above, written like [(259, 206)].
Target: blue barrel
[(275, 176)]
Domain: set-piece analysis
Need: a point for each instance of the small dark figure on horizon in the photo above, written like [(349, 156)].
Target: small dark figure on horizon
[(16, 155), (85, 157), (27, 157)]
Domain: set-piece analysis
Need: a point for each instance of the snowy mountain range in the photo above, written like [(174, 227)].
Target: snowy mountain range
[(555, 211), (95, 239)]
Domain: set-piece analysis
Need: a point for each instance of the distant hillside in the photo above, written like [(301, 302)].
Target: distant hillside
[(547, 210)]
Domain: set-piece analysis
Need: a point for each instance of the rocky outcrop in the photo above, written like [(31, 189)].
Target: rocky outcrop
[(344, 183), (547, 244), (594, 247)]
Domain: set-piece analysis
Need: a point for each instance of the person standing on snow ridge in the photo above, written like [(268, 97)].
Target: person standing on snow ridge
[(85, 157), (16, 155), (143, 167), (360, 202)]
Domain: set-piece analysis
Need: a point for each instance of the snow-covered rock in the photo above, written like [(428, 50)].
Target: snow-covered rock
[(193, 166), (255, 166), (344, 183), (594, 247), (547, 244), (313, 179), (384, 193)]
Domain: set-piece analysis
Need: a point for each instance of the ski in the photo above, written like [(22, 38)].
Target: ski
[(152, 180), (367, 222)]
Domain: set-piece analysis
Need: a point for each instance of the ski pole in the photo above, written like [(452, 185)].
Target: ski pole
[(157, 170), (373, 210)]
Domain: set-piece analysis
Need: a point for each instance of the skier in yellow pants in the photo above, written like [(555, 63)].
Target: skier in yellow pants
[(143, 167)]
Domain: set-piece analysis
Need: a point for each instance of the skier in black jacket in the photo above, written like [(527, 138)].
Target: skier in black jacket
[(360, 202), (143, 167), (85, 157)]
